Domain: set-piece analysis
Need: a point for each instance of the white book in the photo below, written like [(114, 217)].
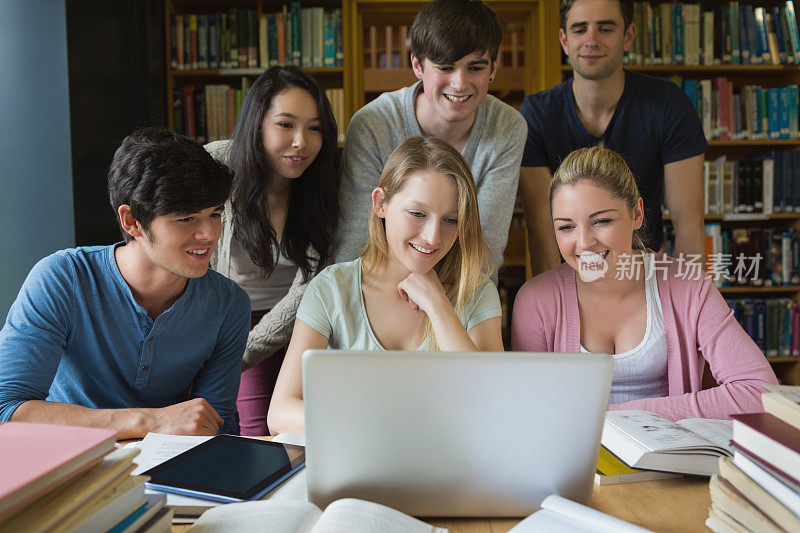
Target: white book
[(649, 441), (768, 176), (560, 515), (290, 516)]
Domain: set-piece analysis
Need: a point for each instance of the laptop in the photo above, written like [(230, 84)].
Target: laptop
[(453, 434)]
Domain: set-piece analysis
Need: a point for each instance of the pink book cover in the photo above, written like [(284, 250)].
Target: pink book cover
[(37, 457)]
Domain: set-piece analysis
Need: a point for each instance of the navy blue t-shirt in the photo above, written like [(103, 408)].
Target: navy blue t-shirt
[(654, 124)]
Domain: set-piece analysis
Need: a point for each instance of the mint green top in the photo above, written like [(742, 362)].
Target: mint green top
[(333, 306)]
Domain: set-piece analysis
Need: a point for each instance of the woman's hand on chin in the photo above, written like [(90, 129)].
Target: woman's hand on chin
[(423, 291)]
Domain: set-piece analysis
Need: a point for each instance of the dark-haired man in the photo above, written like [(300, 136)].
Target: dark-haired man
[(138, 336), (649, 121), (454, 46)]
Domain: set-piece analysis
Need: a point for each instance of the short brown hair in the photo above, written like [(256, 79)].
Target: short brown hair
[(625, 6), (447, 30)]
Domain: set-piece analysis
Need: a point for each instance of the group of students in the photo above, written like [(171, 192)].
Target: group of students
[(395, 247)]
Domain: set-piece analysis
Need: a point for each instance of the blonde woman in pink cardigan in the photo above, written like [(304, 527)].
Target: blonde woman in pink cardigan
[(660, 317)]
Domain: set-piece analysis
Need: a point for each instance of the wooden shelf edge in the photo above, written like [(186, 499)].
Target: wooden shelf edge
[(789, 359), (775, 289), (246, 71), (705, 68)]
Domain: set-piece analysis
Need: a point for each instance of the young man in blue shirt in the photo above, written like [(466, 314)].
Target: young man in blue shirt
[(649, 121), (138, 336)]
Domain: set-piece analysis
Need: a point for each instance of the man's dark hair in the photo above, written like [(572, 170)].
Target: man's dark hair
[(625, 6), (447, 30), (158, 172)]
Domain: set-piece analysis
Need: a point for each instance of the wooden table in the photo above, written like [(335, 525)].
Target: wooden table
[(677, 504)]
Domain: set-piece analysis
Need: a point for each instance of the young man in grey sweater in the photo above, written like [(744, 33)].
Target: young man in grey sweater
[(454, 46)]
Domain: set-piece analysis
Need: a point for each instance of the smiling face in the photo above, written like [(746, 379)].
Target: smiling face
[(454, 91), (291, 131), (595, 38), (421, 220), (593, 228), (182, 243)]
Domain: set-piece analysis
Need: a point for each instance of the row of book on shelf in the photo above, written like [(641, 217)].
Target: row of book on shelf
[(746, 112), (728, 33), (208, 112), (761, 184), (772, 323), (758, 488), (247, 38), (752, 257), (64, 479)]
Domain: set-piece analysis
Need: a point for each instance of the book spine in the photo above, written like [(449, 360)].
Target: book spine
[(791, 21), (202, 42), (263, 40), (665, 10), (733, 24), (318, 19), (337, 29), (213, 41), (297, 36), (678, 33), (329, 58)]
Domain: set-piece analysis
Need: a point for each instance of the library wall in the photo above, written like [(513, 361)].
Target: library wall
[(36, 201)]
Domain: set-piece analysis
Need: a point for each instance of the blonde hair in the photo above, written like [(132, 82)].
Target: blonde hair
[(468, 263), (606, 169)]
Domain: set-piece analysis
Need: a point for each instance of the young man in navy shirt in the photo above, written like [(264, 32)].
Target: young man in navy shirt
[(649, 121), (139, 336)]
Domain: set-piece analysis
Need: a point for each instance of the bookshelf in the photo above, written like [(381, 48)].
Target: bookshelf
[(716, 42), (198, 60)]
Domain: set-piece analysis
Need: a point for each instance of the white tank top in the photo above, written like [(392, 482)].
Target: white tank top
[(264, 292), (642, 371)]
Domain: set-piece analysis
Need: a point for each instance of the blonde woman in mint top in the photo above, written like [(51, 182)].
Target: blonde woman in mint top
[(421, 282), (277, 230), (660, 320)]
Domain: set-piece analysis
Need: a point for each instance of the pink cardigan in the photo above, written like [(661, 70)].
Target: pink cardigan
[(696, 319)]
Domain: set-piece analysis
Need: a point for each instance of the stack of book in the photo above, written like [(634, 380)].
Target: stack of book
[(69, 479), (759, 488)]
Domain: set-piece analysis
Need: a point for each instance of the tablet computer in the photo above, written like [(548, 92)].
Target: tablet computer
[(228, 469)]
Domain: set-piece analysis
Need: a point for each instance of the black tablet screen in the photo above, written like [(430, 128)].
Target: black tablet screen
[(231, 466)]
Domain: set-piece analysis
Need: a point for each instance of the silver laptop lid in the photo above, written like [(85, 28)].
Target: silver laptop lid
[(453, 434)]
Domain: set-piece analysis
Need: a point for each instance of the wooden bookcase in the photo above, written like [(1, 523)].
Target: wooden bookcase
[(766, 75)]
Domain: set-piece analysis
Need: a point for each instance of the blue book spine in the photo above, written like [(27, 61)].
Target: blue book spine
[(733, 24), (213, 41), (773, 112), (794, 111), (690, 88), (760, 319), (330, 41), (776, 22), (677, 33), (752, 35), (744, 37), (784, 109), (296, 37), (337, 31), (761, 32), (794, 183), (272, 37), (794, 37)]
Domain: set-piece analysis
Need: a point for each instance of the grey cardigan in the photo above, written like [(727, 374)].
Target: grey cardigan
[(274, 330)]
